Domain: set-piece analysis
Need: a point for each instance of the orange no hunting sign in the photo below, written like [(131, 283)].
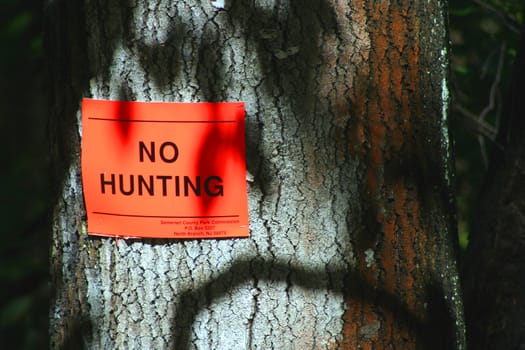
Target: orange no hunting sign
[(165, 170)]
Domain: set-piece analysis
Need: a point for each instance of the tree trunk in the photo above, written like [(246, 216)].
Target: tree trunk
[(494, 264), (351, 214)]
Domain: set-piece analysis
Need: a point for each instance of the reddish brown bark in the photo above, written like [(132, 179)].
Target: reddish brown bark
[(390, 105)]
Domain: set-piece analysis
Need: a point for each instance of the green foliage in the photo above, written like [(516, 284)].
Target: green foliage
[(24, 177), (484, 37)]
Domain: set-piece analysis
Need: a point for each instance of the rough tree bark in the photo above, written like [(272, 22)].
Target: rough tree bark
[(351, 216), (494, 263)]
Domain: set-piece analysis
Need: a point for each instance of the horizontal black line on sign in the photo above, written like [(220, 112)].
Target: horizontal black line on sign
[(161, 121), (167, 216)]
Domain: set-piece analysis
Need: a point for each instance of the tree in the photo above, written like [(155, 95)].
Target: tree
[(351, 213), (494, 264)]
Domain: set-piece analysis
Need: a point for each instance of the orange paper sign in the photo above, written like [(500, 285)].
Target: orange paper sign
[(170, 170)]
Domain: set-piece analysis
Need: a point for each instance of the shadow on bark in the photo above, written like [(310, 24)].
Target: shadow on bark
[(77, 335), (430, 333)]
